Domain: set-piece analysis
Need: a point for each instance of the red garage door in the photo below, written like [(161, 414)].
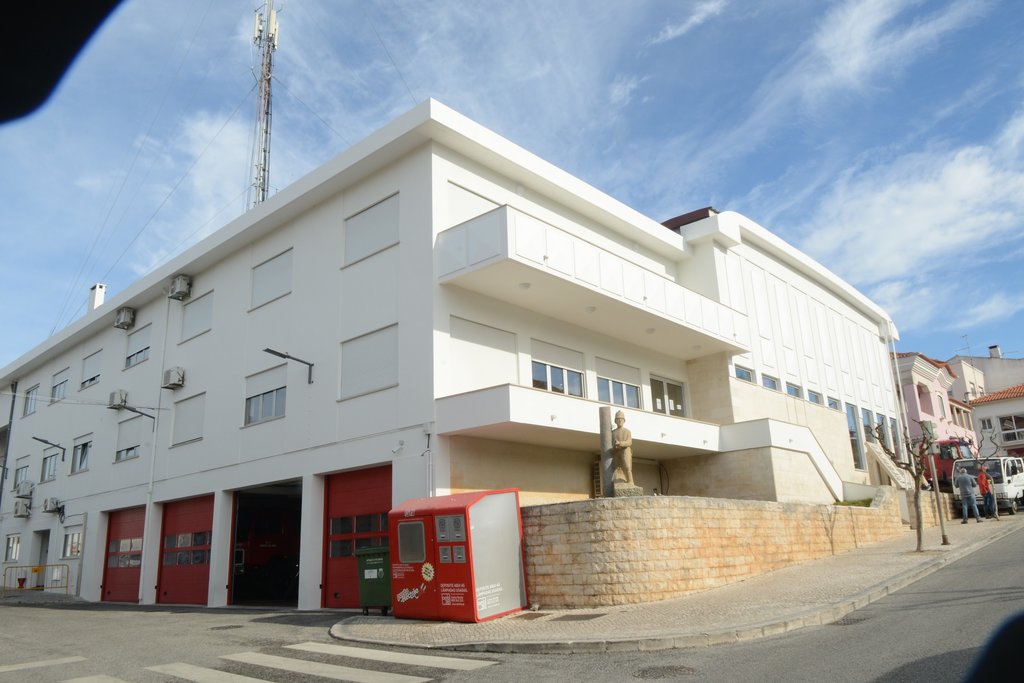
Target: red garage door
[(185, 552), (124, 555), (357, 517)]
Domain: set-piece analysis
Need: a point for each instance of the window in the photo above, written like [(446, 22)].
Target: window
[(880, 430), (556, 368), (30, 401), (794, 390), (369, 363), (13, 548), (49, 470), (348, 534), (272, 279), (197, 316), (557, 380), (129, 438), (942, 405), (412, 545), (667, 397), (188, 419), (855, 445), (770, 382), (869, 425), (371, 230), (80, 455), (183, 548), (618, 384), (834, 404), (744, 374), (265, 395), (72, 544), (91, 369), (20, 472), (138, 347), (59, 388), (894, 435), (124, 552), (986, 424), (1011, 428), (815, 397)]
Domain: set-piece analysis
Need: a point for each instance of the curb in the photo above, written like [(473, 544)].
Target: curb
[(756, 631)]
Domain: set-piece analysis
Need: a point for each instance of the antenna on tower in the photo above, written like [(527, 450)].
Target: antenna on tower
[(264, 37)]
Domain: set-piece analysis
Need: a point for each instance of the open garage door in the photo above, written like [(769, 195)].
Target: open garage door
[(357, 517), (185, 552), (124, 555), (268, 523)]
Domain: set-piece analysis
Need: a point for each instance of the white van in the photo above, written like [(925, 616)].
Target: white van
[(1007, 475)]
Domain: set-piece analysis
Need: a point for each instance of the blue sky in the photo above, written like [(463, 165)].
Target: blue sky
[(883, 137)]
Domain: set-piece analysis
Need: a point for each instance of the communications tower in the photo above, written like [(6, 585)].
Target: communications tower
[(264, 37)]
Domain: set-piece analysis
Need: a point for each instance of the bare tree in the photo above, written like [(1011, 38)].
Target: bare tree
[(915, 465)]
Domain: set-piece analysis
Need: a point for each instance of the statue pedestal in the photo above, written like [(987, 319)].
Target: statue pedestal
[(621, 489)]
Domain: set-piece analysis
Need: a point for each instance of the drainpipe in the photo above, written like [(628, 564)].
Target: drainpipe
[(7, 444)]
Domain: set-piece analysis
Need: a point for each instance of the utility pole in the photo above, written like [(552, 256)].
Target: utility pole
[(264, 37)]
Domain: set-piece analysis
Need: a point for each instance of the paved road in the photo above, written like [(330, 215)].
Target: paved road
[(105, 645)]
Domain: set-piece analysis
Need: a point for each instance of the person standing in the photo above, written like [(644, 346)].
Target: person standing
[(985, 489), (966, 484)]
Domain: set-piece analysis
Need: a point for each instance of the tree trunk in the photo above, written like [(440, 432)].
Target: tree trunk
[(919, 515)]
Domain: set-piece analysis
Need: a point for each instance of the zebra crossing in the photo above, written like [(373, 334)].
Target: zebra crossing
[(267, 667)]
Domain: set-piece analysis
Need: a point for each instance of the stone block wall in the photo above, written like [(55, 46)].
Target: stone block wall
[(617, 551)]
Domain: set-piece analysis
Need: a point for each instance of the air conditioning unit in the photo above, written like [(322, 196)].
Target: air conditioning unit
[(124, 319), (22, 508), (181, 287), (24, 489), (174, 378), (118, 399), (51, 505)]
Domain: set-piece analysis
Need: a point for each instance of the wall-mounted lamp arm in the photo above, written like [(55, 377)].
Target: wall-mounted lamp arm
[(288, 356)]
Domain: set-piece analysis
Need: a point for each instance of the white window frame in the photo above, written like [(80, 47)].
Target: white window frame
[(197, 316), (266, 395), (59, 385), (80, 455), (361, 374), (31, 401), (856, 440), (372, 230), (12, 549), (986, 424), (129, 439), (20, 473), (92, 366), (272, 279), (739, 371), (184, 409), (48, 471), (138, 347), (664, 398), (769, 382), (815, 397), (72, 545), (834, 403), (553, 372), (794, 390)]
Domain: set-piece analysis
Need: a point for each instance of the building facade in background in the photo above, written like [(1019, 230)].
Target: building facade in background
[(434, 311)]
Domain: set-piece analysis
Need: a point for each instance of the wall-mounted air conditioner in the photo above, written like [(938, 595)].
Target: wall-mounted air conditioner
[(174, 378), (181, 287), (22, 508), (24, 489), (51, 505), (124, 319), (118, 399)]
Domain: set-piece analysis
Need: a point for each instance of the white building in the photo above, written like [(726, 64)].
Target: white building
[(455, 310)]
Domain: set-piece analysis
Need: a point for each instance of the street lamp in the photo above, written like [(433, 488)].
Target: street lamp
[(55, 445), (132, 409), (288, 356)]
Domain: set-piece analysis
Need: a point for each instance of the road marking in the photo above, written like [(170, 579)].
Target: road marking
[(95, 679), (453, 663), (39, 664), (338, 673), (200, 674)]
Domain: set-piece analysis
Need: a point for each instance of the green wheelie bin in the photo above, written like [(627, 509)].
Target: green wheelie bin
[(374, 567)]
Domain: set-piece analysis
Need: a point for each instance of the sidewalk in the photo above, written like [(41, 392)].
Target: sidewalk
[(819, 592)]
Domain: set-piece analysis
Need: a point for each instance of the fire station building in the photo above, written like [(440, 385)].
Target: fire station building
[(433, 311)]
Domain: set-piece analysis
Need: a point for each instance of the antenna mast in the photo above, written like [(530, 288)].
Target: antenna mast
[(264, 36)]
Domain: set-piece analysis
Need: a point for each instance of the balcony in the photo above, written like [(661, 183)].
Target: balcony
[(531, 416), (518, 259)]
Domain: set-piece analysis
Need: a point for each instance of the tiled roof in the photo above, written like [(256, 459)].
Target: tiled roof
[(1011, 392)]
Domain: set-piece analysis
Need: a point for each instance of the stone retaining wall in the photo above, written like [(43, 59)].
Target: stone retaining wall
[(616, 551)]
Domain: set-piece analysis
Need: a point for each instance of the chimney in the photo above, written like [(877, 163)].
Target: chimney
[(96, 294), (994, 351)]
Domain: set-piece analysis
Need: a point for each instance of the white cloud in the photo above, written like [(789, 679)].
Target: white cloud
[(998, 306), (622, 89), (701, 14)]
